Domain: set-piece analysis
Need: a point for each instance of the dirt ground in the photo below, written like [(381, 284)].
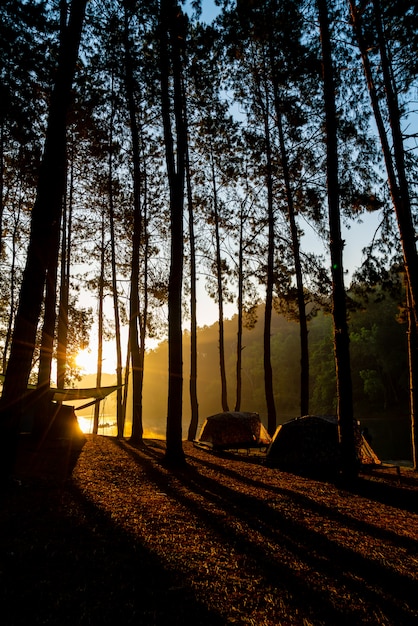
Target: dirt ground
[(110, 536)]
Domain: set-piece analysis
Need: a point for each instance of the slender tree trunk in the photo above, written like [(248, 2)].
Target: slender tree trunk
[(172, 39), (65, 281), (119, 416), (268, 370), (134, 304), (1, 181), (413, 376), (42, 413), (398, 184), (143, 315), (46, 212), (262, 96), (100, 297), (303, 324), (116, 311), (12, 282), (224, 390), (194, 404), (126, 376), (239, 322), (341, 335)]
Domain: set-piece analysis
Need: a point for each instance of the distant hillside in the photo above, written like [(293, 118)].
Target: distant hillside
[(379, 370)]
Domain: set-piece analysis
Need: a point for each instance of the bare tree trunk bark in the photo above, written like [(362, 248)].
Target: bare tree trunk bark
[(173, 36), (413, 376), (65, 281), (1, 180), (240, 305), (100, 297), (194, 404), (134, 304), (12, 282), (224, 389), (339, 312), (47, 340), (119, 412), (303, 324), (264, 104)]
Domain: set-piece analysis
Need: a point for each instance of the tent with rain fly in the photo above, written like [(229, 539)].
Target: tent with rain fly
[(309, 445), (232, 430)]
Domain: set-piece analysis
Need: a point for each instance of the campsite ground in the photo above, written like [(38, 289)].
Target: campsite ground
[(115, 537)]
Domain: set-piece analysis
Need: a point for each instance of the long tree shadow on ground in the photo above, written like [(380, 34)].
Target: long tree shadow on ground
[(324, 562), (238, 547), (64, 561)]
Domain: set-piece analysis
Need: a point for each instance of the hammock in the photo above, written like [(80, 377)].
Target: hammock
[(68, 395)]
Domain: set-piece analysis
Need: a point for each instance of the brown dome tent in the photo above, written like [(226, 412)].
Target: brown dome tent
[(309, 445), (232, 430)]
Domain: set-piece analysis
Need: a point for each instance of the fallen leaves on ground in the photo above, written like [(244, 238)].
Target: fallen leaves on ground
[(224, 540)]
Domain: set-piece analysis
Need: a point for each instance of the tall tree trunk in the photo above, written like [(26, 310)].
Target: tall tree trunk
[(143, 315), (263, 100), (126, 376), (65, 280), (194, 404), (339, 312), (47, 340), (134, 305), (119, 419), (46, 212), (1, 180), (413, 376), (268, 370), (303, 324), (224, 390), (172, 39), (240, 313), (100, 297), (12, 283), (398, 184)]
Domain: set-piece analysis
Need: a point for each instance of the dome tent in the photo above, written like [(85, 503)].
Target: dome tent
[(233, 429), (309, 446)]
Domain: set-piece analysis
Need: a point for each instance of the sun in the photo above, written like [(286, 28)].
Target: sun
[(86, 360)]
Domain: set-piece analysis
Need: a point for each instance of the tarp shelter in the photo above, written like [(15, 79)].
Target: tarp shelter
[(309, 446), (69, 395), (233, 430)]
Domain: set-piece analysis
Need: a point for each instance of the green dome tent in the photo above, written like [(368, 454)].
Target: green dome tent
[(309, 446)]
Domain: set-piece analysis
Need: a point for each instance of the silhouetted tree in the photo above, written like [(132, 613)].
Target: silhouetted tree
[(339, 311), (172, 41)]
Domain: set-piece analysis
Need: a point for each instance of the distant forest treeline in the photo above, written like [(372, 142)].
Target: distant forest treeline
[(379, 368)]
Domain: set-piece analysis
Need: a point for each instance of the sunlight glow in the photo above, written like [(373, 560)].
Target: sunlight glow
[(85, 423), (86, 360)]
